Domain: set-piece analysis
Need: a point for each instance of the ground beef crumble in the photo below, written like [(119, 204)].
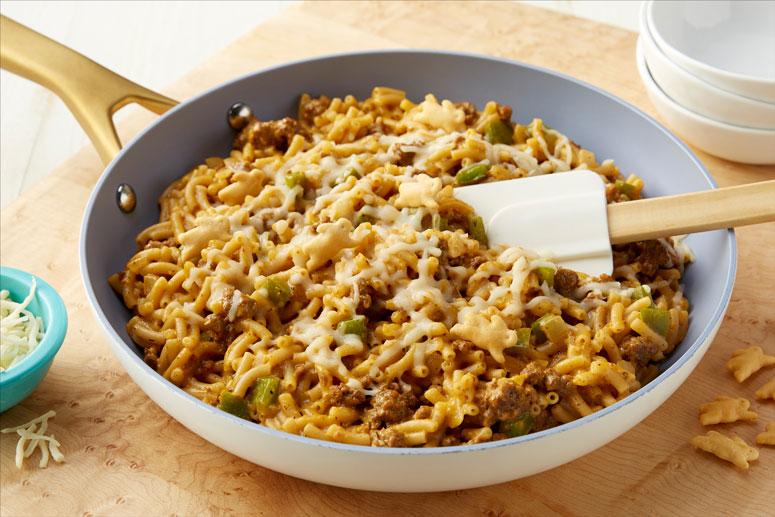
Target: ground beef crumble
[(469, 110), (344, 395), (566, 282), (504, 400), (390, 406), (650, 256), (387, 438), (639, 350), (311, 108), (273, 133)]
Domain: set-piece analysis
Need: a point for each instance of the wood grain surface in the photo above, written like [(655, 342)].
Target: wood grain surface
[(125, 456)]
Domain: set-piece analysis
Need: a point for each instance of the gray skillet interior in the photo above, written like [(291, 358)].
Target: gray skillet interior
[(197, 129)]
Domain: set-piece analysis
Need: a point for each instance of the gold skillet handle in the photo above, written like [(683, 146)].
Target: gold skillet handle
[(91, 92)]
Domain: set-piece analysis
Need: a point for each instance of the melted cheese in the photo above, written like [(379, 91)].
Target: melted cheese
[(303, 229), (445, 116)]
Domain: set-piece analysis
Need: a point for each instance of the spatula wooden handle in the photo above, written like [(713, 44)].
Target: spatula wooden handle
[(689, 213)]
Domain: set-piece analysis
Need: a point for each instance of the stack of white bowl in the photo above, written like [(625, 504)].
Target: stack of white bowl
[(709, 69)]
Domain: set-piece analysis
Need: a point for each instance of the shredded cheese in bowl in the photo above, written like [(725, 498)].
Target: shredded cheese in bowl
[(20, 330)]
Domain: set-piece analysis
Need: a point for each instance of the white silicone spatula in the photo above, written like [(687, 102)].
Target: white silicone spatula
[(565, 215)]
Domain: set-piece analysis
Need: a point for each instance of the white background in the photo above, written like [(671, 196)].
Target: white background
[(151, 43)]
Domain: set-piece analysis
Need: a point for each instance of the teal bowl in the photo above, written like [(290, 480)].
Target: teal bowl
[(20, 380)]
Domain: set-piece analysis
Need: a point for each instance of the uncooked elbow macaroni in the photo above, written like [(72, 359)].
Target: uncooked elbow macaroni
[(324, 280)]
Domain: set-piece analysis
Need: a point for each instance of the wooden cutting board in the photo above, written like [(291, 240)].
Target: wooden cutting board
[(125, 456)]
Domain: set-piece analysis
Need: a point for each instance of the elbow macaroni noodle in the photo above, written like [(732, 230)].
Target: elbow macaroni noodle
[(337, 261)]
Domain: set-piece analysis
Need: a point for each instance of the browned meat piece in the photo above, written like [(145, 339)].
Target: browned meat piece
[(273, 133), (504, 112), (565, 282), (311, 108), (638, 350), (371, 302), (559, 383), (218, 325), (366, 296), (622, 257), (206, 368), (246, 308), (650, 255), (389, 406), (151, 356), (504, 400), (344, 395), (543, 420), (214, 323), (387, 438), (471, 115), (405, 158), (534, 374), (467, 260), (219, 328), (653, 255)]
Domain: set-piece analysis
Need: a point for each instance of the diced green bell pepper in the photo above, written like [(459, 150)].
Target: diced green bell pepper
[(498, 132), (476, 229), (518, 426), (625, 188), (657, 319), (641, 291), (472, 174), (546, 274), (294, 178), (537, 332), (523, 337), (439, 223), (279, 291), (356, 326), (552, 327), (265, 392), (234, 404)]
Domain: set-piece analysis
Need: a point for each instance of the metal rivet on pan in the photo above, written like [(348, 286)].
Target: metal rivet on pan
[(126, 199), (239, 115)]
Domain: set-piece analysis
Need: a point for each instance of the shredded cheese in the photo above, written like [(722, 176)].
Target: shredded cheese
[(20, 330), (32, 435)]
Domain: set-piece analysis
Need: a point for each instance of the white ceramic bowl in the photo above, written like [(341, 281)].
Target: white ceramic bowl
[(736, 143), (730, 44), (700, 96)]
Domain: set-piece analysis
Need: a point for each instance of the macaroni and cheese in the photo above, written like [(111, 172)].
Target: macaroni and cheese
[(323, 280)]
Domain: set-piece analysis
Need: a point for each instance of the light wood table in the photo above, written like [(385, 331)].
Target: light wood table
[(125, 456)]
